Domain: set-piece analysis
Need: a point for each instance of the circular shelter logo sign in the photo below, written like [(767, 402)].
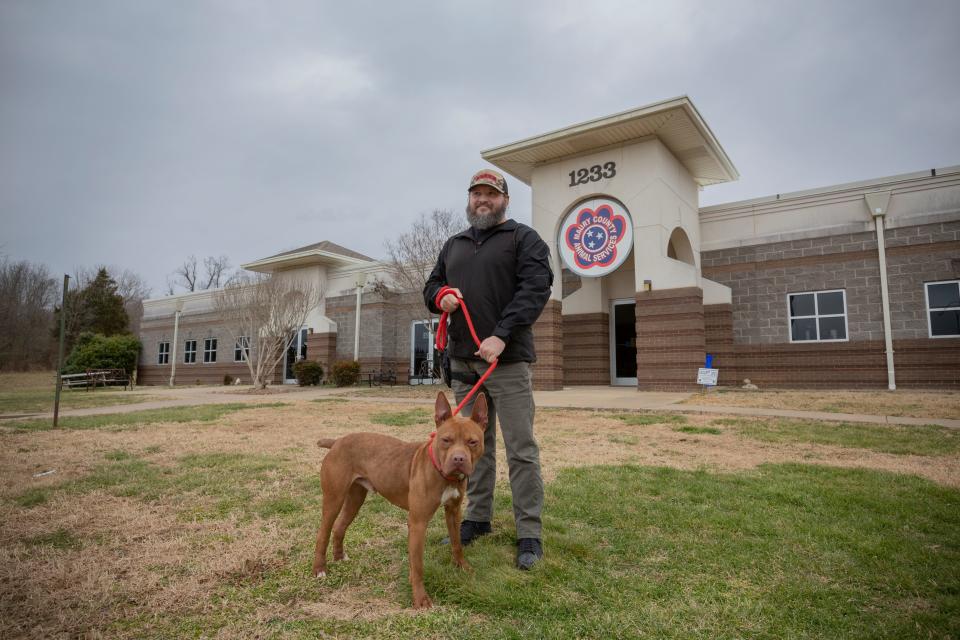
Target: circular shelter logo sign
[(595, 237)]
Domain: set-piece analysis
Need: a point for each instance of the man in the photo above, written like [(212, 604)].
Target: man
[(501, 268)]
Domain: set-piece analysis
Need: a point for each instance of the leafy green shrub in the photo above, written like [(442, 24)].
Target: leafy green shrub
[(345, 373), (96, 351), (308, 372)]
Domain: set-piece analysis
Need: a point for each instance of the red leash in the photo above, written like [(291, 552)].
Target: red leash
[(441, 341)]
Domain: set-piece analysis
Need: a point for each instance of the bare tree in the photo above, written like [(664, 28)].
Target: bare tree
[(188, 276), (413, 253), (215, 272), (266, 312), (27, 293), (133, 290)]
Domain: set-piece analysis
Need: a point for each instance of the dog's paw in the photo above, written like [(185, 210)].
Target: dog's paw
[(422, 602), (320, 574)]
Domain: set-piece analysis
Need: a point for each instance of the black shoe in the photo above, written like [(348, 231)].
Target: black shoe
[(470, 530), (529, 553)]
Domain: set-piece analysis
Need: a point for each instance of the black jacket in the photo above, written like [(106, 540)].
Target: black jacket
[(505, 277)]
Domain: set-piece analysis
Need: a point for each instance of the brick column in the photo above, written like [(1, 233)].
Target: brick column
[(718, 334), (586, 349), (670, 339), (548, 342), (322, 348)]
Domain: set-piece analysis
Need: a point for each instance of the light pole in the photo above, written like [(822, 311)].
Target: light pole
[(173, 348), (63, 319)]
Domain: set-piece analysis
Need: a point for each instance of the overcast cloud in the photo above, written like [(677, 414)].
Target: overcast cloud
[(136, 133)]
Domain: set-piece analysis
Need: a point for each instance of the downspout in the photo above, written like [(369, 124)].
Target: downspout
[(877, 203), (361, 281), (173, 348)]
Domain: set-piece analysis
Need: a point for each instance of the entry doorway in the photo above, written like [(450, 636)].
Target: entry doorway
[(623, 342), (424, 358), (296, 350)]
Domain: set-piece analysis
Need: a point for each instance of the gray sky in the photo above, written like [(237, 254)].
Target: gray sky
[(136, 133)]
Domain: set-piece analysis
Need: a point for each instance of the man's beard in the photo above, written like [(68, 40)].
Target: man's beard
[(482, 222)]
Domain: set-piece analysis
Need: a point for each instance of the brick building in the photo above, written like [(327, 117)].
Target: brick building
[(853, 285)]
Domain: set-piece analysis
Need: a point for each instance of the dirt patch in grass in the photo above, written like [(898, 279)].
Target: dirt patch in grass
[(916, 404), (83, 562)]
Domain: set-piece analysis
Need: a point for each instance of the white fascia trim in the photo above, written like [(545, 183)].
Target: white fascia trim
[(848, 189), (279, 260)]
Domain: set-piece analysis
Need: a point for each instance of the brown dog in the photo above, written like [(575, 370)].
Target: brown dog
[(418, 477)]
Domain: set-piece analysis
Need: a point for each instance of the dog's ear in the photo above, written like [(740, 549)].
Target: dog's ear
[(441, 411), (479, 413)]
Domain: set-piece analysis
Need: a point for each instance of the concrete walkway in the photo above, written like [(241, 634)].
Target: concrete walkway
[(599, 397)]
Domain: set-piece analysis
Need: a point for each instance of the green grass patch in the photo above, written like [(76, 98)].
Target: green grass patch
[(704, 430), (42, 400), (642, 419), (59, 539), (329, 400), (193, 413), (402, 418), (925, 440), (118, 455), (32, 497), (788, 551), (203, 486)]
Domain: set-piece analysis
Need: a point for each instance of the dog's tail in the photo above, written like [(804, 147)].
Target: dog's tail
[(326, 443)]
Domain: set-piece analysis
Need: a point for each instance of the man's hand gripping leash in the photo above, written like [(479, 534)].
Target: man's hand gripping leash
[(488, 350)]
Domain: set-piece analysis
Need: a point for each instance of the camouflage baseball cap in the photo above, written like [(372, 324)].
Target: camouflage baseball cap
[(491, 178)]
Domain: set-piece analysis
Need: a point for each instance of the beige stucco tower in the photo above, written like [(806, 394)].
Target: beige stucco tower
[(634, 316)]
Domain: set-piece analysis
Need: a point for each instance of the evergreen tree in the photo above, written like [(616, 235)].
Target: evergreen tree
[(96, 307), (105, 306)]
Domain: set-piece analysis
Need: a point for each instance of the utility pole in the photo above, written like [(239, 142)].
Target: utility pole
[(63, 324)]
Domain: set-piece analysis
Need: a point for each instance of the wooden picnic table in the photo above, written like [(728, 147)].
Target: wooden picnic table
[(90, 379)]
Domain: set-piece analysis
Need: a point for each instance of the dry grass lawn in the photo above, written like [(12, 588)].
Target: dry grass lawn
[(89, 561), (916, 404)]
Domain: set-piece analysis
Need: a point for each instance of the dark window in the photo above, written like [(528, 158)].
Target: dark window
[(818, 316), (241, 349), (943, 309), (210, 350), (189, 351), (163, 353)]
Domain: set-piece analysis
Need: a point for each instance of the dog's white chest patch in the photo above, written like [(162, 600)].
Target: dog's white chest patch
[(450, 494)]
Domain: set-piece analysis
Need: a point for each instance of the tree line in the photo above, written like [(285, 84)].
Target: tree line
[(101, 301)]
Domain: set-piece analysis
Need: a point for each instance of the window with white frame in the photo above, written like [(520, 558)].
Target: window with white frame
[(943, 308), (189, 351), (818, 316), (241, 349), (163, 353), (210, 350)]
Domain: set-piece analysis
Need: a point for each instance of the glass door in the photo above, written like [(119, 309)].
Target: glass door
[(296, 350), (623, 342), (424, 358)]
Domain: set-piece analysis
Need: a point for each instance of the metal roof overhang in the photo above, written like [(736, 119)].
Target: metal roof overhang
[(303, 258), (675, 122)]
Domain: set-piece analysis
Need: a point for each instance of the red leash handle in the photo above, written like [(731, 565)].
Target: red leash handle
[(441, 340)]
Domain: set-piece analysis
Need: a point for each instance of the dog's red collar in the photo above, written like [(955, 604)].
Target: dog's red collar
[(436, 465)]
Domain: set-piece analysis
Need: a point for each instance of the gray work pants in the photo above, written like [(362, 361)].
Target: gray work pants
[(509, 392)]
